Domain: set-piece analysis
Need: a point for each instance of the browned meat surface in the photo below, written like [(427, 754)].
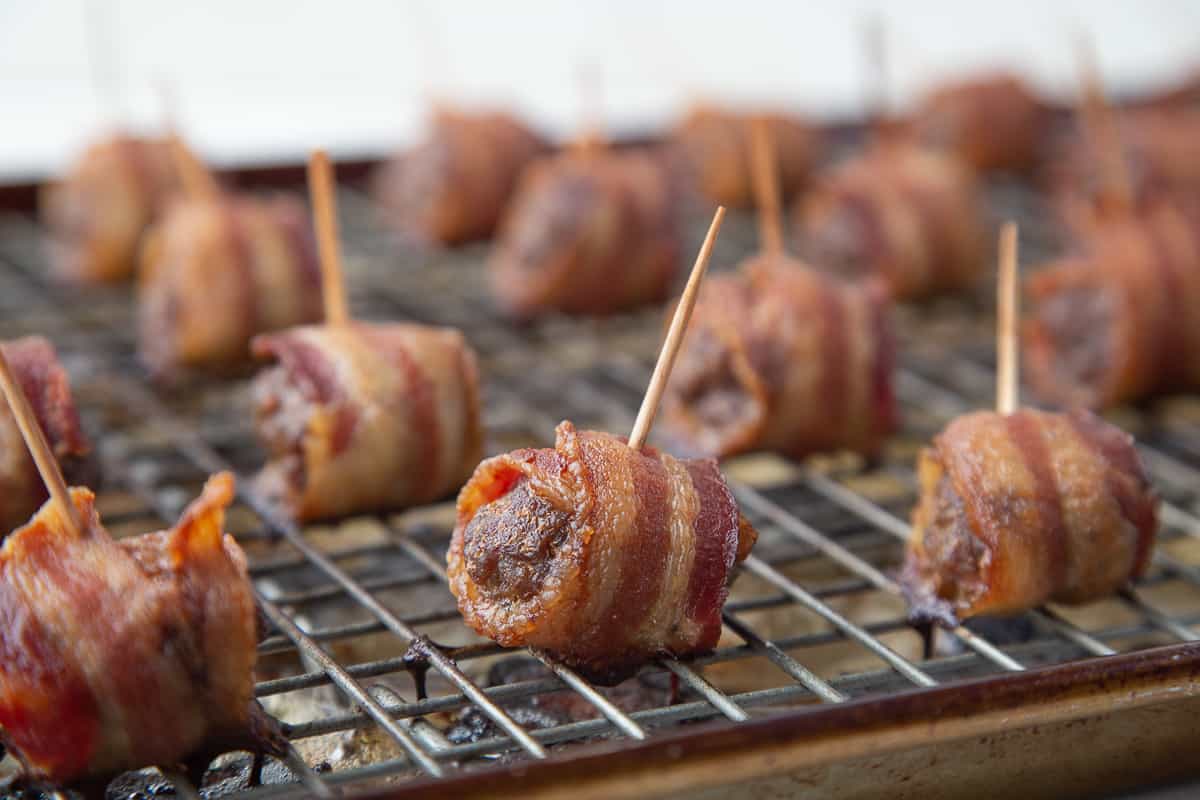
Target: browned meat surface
[(1120, 322)]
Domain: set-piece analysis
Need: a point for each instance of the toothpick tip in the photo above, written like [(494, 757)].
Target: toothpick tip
[(671, 346)]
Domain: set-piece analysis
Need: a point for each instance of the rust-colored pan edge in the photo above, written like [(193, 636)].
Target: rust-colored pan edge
[(714, 754)]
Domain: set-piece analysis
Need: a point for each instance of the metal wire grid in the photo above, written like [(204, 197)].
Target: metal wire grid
[(158, 448)]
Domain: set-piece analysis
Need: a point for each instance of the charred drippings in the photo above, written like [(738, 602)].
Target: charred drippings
[(416, 663)]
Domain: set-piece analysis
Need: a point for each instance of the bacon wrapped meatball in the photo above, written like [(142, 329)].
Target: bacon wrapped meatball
[(781, 357), (715, 146), (215, 274), (603, 556), (453, 187), (35, 365), (993, 122), (905, 214), (587, 233), (1118, 322), (97, 213), (364, 417), (1024, 509), (120, 655), (1157, 152)]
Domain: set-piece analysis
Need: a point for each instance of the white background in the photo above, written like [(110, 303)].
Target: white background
[(271, 79)]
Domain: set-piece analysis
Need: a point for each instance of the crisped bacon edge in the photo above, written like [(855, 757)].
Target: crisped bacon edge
[(718, 528), (195, 538), (22, 641)]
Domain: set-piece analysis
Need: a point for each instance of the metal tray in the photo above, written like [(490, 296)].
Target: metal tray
[(819, 684)]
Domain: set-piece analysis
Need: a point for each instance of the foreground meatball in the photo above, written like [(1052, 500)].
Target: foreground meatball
[(602, 556)]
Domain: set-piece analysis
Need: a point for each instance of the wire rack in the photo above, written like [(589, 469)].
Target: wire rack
[(356, 611)]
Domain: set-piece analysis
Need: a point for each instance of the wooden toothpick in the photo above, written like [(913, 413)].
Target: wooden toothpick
[(324, 203), (670, 349), (765, 174), (198, 183), (39, 448), (591, 88), (1101, 125), (874, 37), (1008, 311), (103, 65)]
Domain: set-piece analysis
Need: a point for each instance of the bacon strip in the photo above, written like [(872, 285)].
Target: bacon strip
[(1116, 324), (366, 417), (715, 146), (97, 213), (35, 364), (779, 357), (214, 275), (603, 556), (119, 655), (993, 122), (587, 233), (907, 215), (1021, 510), (1161, 150), (453, 187)]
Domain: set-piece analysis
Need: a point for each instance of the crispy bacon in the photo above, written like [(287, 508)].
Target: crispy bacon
[(992, 122), (453, 187), (780, 357), (366, 417), (905, 214), (120, 655), (1118, 322), (35, 365), (715, 146), (587, 233), (97, 213), (1024, 509), (215, 274), (1161, 152), (603, 556)]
